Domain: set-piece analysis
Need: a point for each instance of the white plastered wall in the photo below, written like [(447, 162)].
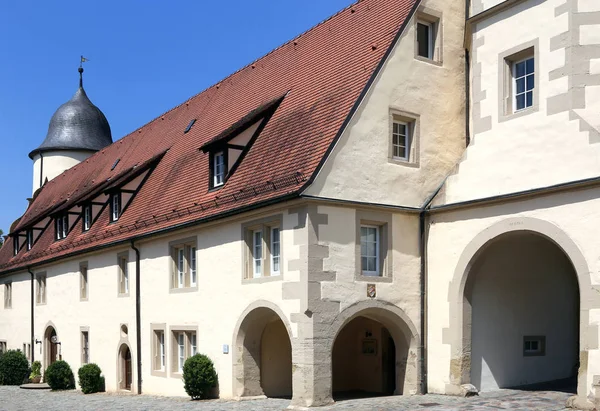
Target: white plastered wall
[(360, 167), (544, 147), (451, 233)]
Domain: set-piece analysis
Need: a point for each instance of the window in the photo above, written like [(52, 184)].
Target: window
[(83, 282), (428, 36), (41, 289), (400, 139), (523, 83), (159, 350), (115, 206), (275, 250), (123, 275), (85, 347), (62, 226), (87, 217), (518, 73), (180, 351), (2, 347), (8, 295), (257, 256), (425, 33), (184, 272), (29, 239), (263, 248), (218, 169), (15, 245), (369, 250), (534, 346), (183, 347)]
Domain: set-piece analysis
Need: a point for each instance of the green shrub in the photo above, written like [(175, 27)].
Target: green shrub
[(59, 376), (36, 370), (90, 379), (199, 376), (14, 368)]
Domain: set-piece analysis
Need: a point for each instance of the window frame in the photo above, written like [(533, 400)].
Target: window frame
[(61, 226), (85, 349), (412, 122), (514, 93), (272, 256), (30, 241), (507, 84), (83, 282), (214, 175), (86, 217), (8, 295), (186, 248), (118, 203), (540, 340), (433, 20), (123, 278), (41, 294), (159, 358), (377, 272), (175, 332), (264, 227), (383, 221), (15, 245)]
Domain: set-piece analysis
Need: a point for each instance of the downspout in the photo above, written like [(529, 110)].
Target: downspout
[(467, 81), (32, 317), (423, 286), (138, 322)]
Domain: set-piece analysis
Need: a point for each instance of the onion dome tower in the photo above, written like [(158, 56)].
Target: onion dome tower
[(77, 130)]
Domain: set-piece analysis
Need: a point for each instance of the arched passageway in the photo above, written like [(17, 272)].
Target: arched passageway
[(50, 346), (522, 304), (124, 370), (263, 355), (371, 356)]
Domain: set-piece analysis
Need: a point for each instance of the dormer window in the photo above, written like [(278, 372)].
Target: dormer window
[(15, 245), (87, 217), (115, 206), (62, 226), (29, 239), (218, 169)]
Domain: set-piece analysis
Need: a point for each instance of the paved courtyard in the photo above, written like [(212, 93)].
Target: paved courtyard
[(13, 399)]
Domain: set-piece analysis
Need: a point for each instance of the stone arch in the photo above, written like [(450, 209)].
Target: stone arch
[(248, 371), (460, 310), (125, 367), (401, 329), (50, 349)]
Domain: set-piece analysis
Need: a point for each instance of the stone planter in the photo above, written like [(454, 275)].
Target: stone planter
[(36, 380)]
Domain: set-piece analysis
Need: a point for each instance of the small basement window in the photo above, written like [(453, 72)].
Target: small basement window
[(534, 346)]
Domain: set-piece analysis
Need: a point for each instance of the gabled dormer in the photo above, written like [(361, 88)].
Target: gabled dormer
[(227, 150)]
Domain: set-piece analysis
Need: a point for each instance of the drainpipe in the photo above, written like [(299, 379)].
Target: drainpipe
[(467, 82), (32, 317), (138, 322), (423, 285)]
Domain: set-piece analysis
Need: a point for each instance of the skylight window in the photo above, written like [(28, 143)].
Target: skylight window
[(189, 127), (115, 164)]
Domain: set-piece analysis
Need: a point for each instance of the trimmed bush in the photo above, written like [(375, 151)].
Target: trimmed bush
[(14, 368), (199, 376), (59, 376), (90, 379)]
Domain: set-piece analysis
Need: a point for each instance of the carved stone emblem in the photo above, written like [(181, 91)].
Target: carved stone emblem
[(371, 291)]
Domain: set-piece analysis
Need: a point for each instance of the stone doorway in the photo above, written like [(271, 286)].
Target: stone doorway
[(125, 370), (50, 347)]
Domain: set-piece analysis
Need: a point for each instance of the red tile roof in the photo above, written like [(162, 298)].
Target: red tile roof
[(324, 71)]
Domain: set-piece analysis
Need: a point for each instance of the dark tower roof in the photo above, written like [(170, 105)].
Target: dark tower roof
[(77, 125)]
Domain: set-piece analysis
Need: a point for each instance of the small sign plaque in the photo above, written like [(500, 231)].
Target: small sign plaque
[(371, 291)]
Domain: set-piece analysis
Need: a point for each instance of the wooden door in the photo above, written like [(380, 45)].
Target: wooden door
[(127, 369)]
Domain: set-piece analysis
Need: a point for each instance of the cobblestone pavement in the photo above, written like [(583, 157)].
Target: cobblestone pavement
[(13, 399)]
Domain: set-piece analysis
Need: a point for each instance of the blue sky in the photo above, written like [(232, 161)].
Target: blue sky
[(145, 57)]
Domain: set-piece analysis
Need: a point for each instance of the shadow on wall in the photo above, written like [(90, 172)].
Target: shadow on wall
[(522, 285)]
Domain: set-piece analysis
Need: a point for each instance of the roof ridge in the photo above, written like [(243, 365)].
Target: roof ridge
[(222, 80)]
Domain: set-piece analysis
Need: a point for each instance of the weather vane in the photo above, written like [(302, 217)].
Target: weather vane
[(83, 60)]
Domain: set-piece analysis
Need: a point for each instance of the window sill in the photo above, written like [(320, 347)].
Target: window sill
[(373, 279), (123, 295), (429, 61), (260, 280), (40, 303), (403, 162), (159, 373), (177, 374), (517, 114), (183, 290), (83, 299)]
